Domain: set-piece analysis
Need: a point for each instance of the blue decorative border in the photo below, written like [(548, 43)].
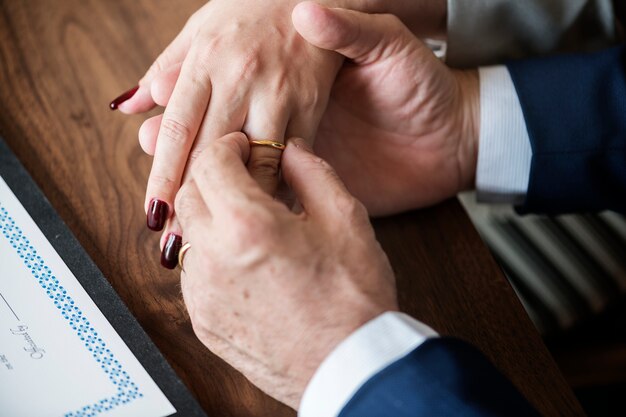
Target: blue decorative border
[(127, 390)]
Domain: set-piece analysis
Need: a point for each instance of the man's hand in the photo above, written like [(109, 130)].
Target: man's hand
[(401, 128), (235, 66), (270, 291)]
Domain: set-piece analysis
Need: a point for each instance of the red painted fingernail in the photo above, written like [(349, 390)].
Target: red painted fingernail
[(127, 95), (157, 214), (169, 255)]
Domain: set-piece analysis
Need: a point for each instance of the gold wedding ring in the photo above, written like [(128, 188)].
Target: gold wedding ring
[(181, 254), (269, 143)]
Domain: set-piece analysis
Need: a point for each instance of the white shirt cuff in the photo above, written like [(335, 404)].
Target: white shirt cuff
[(504, 151), (370, 349)]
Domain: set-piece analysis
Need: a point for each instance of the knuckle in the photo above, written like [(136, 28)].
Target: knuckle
[(201, 168), (208, 49), (251, 227), (246, 65), (280, 89), (359, 210), (200, 77), (193, 20), (207, 55), (161, 63), (202, 164), (177, 132), (156, 67), (324, 165), (392, 20), (162, 181), (398, 31), (218, 152), (237, 137), (309, 100), (350, 207), (316, 163), (194, 155), (200, 57)]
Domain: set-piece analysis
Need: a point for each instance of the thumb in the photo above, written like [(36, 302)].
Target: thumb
[(361, 37), (319, 190)]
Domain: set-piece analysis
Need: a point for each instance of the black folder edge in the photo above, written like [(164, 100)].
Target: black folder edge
[(96, 285)]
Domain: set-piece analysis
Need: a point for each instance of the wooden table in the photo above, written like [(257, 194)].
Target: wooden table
[(62, 61)]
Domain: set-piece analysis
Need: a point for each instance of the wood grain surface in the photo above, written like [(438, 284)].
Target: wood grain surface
[(62, 61)]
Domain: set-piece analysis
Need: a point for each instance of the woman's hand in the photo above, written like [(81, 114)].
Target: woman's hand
[(401, 128), (243, 67), (270, 291), (236, 66)]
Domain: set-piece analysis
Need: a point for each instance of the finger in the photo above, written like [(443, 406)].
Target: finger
[(171, 242), (266, 120), (163, 84), (179, 127), (148, 134), (222, 178), (194, 209), (173, 227), (223, 117), (174, 53), (361, 37), (193, 218), (316, 185), (226, 114), (301, 125), (136, 100)]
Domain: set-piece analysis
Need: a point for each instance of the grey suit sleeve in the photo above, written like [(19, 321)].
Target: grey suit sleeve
[(484, 32)]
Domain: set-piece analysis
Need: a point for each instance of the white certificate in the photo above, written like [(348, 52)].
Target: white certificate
[(59, 356)]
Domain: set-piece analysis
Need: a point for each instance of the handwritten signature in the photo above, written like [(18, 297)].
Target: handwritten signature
[(35, 351)]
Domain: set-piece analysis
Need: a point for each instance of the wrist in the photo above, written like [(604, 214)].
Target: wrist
[(324, 338), (468, 126)]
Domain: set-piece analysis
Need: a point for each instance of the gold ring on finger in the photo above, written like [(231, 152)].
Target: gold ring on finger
[(269, 143), (181, 254)]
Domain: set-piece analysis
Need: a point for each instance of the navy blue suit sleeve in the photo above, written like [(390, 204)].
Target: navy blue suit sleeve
[(575, 112), (442, 377)]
